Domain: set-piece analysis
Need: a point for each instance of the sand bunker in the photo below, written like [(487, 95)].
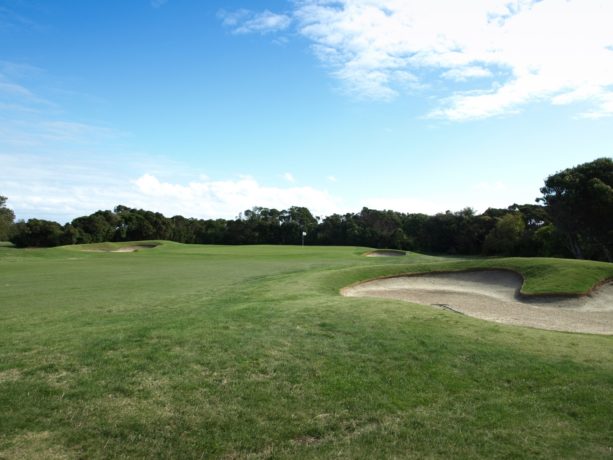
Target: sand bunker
[(134, 248), (494, 295), (124, 248), (385, 253)]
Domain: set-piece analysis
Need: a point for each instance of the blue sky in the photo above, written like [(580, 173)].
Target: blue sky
[(209, 108)]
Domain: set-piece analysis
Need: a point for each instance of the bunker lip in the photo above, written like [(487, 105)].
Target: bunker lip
[(494, 295), (385, 253)]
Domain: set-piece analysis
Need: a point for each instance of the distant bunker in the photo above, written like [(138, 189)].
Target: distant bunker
[(494, 295), (385, 253), (133, 248)]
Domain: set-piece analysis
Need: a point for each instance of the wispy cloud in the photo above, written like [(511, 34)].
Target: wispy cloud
[(9, 19), (70, 131), (29, 120), (13, 89), (158, 3), (10, 90), (512, 52), (35, 131), (245, 21)]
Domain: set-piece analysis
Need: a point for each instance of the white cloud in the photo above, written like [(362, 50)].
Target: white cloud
[(479, 196), (479, 201), (289, 177), (227, 198), (244, 21), (331, 178), (517, 52), (464, 73), (63, 188)]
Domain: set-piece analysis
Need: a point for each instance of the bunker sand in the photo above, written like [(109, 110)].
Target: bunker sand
[(124, 248), (133, 248), (385, 253), (494, 295)]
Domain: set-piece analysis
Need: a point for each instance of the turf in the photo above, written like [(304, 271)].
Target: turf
[(186, 351)]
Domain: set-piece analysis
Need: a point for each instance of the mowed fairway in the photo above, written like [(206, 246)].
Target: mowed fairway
[(186, 351)]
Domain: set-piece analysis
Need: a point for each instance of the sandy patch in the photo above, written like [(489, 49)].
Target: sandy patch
[(132, 248), (493, 295), (124, 248), (385, 253)]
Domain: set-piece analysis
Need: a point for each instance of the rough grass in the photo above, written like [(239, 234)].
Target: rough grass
[(250, 352)]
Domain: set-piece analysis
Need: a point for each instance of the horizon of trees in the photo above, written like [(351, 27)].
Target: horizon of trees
[(575, 219)]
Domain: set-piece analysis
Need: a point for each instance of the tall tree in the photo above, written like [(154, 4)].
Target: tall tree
[(37, 233), (7, 217), (506, 236), (580, 203)]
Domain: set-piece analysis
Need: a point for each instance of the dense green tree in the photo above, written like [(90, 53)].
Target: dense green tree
[(578, 211), (547, 241), (183, 230), (506, 237), (294, 221), (7, 216), (454, 232), (580, 203), (97, 227), (37, 233), (71, 235), (382, 228), (535, 216), (139, 224), (414, 227)]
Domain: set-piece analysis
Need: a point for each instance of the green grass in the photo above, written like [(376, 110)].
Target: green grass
[(250, 352)]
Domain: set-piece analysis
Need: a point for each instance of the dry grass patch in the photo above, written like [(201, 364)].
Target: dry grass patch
[(35, 446), (10, 375)]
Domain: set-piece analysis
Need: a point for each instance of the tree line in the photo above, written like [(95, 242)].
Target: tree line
[(572, 218)]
